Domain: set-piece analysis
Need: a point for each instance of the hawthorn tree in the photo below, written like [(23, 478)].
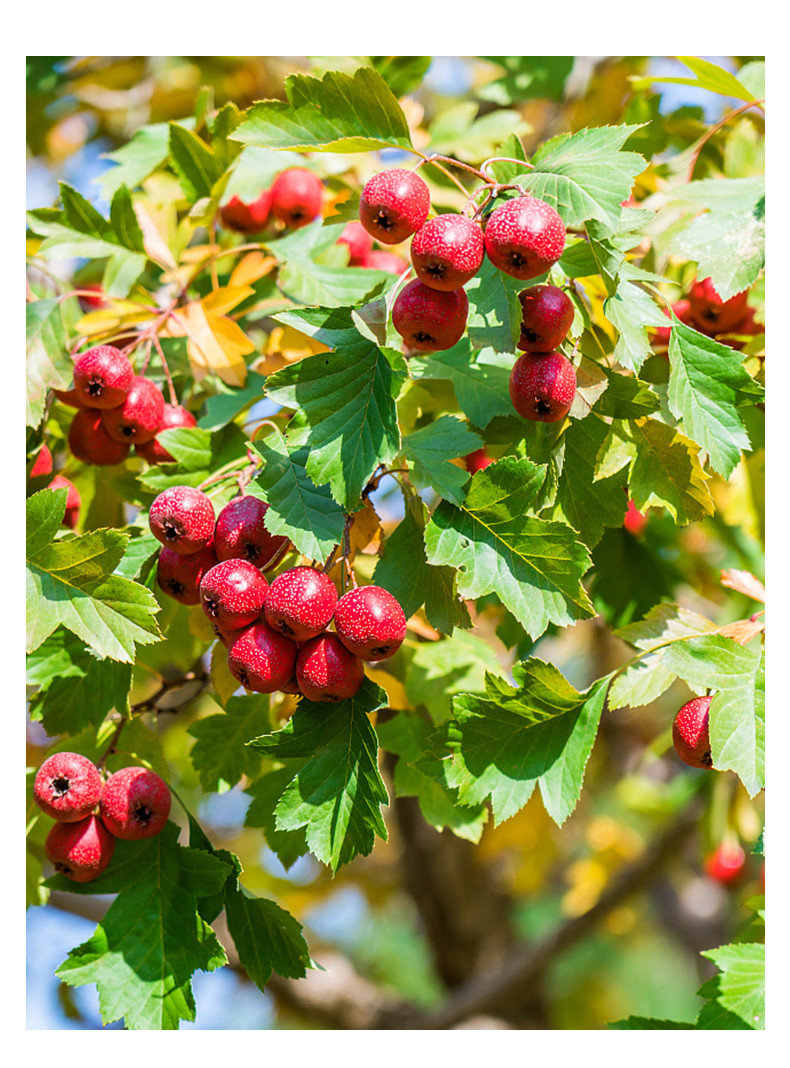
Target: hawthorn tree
[(631, 515)]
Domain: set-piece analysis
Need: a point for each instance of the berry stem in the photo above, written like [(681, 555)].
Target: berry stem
[(504, 159)]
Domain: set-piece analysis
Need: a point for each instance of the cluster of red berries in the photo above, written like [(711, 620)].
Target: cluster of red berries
[(133, 803), (523, 237), (295, 199), (703, 309), (117, 409), (276, 635)]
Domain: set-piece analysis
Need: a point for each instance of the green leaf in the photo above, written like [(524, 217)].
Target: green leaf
[(630, 576), (439, 670), (534, 566), (737, 711), (406, 735), (88, 690), (193, 161), (266, 937), (494, 319), (585, 175), (631, 311), (728, 247), (404, 571), (220, 755), (645, 1023), (625, 397), (525, 78), (707, 76), (331, 326), (198, 453), (145, 950), (339, 112), (480, 379), (223, 407), (338, 793), (348, 398), (461, 132), (70, 582), (740, 989), (707, 382), (124, 221), (298, 509), (265, 793), (502, 744), (48, 365), (403, 74), (143, 153), (433, 446)]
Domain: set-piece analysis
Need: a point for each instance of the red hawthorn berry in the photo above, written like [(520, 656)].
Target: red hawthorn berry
[(89, 302), (179, 576), (67, 787), (690, 733), (394, 204), (81, 851), (358, 241), (139, 417), (297, 197), (524, 237), (247, 218), (727, 863), (73, 499), (447, 251), (378, 259), (327, 671), (135, 803), (300, 603), (710, 313), (428, 319), (542, 386), (43, 463), (240, 533), (103, 377), (370, 623), (90, 442), (261, 659), (634, 520), (546, 318), (173, 416), (477, 460), (182, 518), (233, 593)]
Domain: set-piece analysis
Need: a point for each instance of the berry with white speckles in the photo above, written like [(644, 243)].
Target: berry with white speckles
[(174, 416), (262, 660), (393, 205), (241, 534), (182, 518), (524, 237), (546, 318), (297, 197), (542, 386), (690, 733), (179, 575), (80, 851), (103, 377), (370, 623), (430, 320), (91, 443), (135, 804), (139, 417), (68, 787), (447, 251), (327, 671), (233, 594), (300, 603)]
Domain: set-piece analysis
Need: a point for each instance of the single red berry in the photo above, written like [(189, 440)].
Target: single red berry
[(96, 300), (477, 460), (67, 787), (358, 241), (297, 197), (524, 237), (378, 259), (370, 623), (138, 419), (73, 499), (261, 659), (393, 205), (103, 377), (327, 671), (300, 603), (240, 533), (233, 593), (447, 251), (80, 851), (174, 416), (546, 318), (542, 386), (135, 803), (90, 442), (179, 576), (727, 863), (634, 520), (428, 319), (247, 218), (43, 463), (182, 518), (710, 313), (690, 733)]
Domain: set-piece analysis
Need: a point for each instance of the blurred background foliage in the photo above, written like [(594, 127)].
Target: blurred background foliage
[(371, 925)]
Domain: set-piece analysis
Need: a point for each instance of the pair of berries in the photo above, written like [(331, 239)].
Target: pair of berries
[(133, 803), (543, 380), (523, 237), (42, 466), (703, 309), (117, 409), (287, 647), (295, 198), (182, 519)]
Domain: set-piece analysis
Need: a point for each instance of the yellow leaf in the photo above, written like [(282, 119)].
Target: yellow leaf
[(213, 343), (154, 227), (250, 268), (221, 301), (292, 345), (117, 315)]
